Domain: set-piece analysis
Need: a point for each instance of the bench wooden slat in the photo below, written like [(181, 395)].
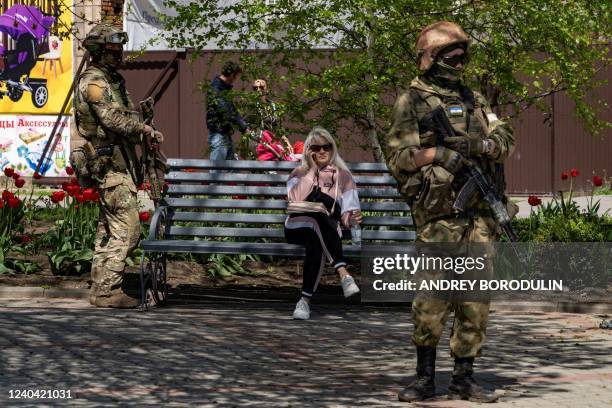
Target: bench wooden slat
[(273, 218), (263, 165), (224, 178), (203, 232), (271, 249), (191, 189), (382, 206)]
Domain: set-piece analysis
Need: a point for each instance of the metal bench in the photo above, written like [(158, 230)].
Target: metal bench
[(246, 202)]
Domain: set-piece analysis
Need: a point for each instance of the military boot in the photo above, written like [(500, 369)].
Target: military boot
[(423, 387), (117, 299), (463, 386)]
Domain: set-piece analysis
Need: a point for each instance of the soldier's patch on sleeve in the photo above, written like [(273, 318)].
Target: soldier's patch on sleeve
[(95, 93), (491, 117)]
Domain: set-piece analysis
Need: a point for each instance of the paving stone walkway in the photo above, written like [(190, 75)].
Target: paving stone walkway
[(250, 354)]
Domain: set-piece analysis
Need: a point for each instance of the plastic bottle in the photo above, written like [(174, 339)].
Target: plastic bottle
[(355, 231)]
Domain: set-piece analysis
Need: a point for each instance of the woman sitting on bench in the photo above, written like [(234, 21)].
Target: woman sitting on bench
[(322, 195)]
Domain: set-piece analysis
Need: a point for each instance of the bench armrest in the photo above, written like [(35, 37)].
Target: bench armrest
[(159, 217)]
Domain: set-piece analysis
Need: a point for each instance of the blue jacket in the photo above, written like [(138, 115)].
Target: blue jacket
[(221, 114)]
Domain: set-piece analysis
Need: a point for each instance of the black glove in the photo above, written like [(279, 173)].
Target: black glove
[(449, 159)]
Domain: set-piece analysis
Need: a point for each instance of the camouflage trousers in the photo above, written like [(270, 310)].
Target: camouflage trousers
[(118, 233), (430, 314)]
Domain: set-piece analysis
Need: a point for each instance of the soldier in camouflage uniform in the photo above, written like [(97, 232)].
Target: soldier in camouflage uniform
[(429, 175), (105, 117)]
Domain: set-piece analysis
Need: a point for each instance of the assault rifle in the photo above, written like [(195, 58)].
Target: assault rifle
[(152, 159), (476, 180)]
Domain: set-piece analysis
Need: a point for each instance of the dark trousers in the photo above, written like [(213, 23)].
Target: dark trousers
[(314, 260)]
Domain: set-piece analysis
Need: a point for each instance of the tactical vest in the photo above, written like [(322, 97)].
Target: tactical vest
[(107, 151), (465, 114)]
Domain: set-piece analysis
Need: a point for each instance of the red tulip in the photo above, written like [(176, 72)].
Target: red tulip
[(534, 201), (8, 172), (37, 175), (144, 216), (19, 183), (65, 186), (1, 204), (14, 202), (26, 239), (58, 196), (564, 175), (597, 181), (96, 197), (76, 206), (69, 170), (73, 190), (574, 172), (88, 194), (16, 176), (74, 181), (80, 198), (6, 195)]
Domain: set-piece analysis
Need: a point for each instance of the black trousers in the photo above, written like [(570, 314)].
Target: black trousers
[(314, 260)]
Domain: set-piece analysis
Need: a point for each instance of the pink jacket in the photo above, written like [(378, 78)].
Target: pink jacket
[(300, 184)]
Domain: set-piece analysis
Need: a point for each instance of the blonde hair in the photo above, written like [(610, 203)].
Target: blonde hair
[(319, 132)]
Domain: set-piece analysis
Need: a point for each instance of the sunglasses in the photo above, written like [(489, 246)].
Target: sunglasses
[(256, 87), (455, 60), (317, 148)]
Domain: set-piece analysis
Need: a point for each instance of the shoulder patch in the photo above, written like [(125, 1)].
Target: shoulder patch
[(95, 93)]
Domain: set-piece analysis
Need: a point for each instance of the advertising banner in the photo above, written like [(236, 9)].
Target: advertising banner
[(23, 138), (35, 76)]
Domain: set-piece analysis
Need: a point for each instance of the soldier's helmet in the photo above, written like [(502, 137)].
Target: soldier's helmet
[(102, 34), (434, 38)]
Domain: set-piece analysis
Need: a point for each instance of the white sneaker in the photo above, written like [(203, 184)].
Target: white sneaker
[(302, 310), (349, 287)]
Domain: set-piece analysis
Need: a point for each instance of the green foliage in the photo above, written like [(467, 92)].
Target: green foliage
[(563, 221), (72, 240), (227, 265), (13, 211), (522, 51)]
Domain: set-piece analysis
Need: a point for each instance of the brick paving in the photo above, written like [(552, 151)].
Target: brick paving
[(251, 354)]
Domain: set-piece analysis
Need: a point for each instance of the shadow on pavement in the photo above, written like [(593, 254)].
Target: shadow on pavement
[(237, 354)]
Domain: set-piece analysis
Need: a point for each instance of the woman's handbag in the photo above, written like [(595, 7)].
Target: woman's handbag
[(301, 207)]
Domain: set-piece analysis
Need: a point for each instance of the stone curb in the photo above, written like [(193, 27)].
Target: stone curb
[(31, 292)]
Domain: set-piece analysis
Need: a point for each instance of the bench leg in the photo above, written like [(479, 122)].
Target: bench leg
[(143, 304), (153, 281), (159, 284)]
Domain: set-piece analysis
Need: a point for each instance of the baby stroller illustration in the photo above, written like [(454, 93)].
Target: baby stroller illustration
[(28, 28)]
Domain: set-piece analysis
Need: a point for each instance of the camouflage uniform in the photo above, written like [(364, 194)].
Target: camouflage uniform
[(431, 190), (106, 118)]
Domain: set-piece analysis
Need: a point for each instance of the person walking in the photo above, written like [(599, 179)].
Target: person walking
[(430, 174), (270, 144), (106, 118), (322, 197), (222, 117)]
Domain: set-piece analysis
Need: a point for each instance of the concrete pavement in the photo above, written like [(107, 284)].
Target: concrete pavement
[(252, 354)]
